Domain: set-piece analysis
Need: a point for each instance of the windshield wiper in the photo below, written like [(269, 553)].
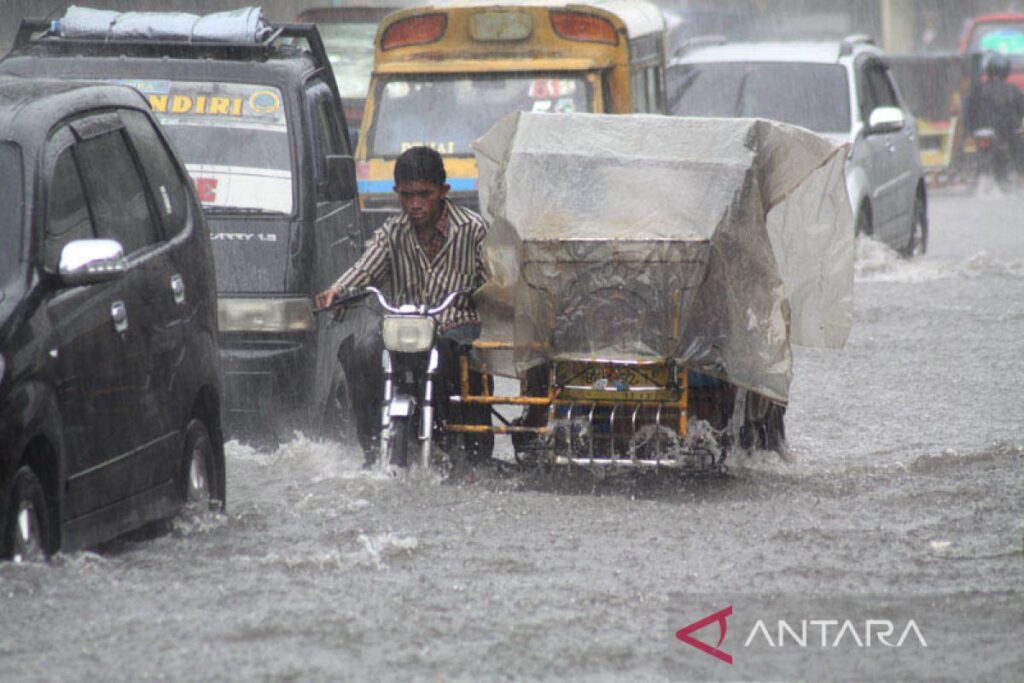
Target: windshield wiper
[(243, 210)]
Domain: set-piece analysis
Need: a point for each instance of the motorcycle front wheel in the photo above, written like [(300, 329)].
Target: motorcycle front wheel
[(398, 441)]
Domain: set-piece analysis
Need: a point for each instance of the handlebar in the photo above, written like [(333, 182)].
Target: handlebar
[(419, 310), (341, 301)]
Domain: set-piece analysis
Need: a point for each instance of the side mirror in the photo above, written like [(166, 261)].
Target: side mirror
[(341, 178), (86, 262), (886, 120)]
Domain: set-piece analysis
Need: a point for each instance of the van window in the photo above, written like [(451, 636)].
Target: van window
[(114, 191), (67, 216), (11, 203), (327, 137), (232, 137), (165, 184)]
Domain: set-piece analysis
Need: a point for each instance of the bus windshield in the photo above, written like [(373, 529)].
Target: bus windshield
[(448, 114), (233, 139)]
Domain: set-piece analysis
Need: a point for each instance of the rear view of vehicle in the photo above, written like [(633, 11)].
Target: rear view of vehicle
[(253, 110), (444, 74)]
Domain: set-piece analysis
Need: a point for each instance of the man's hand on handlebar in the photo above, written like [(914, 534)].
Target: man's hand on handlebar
[(327, 297)]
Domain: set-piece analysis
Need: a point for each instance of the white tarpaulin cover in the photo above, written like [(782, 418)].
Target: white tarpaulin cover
[(244, 25), (714, 242)]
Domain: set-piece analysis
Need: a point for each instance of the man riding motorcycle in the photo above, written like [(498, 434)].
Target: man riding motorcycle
[(432, 248), (998, 106)]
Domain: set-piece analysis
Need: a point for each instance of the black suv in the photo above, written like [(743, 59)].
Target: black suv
[(259, 124), (109, 392)]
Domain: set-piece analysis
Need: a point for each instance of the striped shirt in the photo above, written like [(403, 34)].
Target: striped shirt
[(394, 255)]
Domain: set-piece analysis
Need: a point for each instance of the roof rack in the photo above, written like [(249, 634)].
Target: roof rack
[(699, 41), (37, 33), (849, 42)]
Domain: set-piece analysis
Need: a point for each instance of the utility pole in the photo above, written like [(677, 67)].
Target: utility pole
[(899, 23)]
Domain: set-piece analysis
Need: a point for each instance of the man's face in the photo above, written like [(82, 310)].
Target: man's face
[(422, 201)]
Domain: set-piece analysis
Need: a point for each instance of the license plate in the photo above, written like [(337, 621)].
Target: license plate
[(612, 381)]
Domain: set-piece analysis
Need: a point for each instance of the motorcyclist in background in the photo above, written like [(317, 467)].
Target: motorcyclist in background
[(999, 106)]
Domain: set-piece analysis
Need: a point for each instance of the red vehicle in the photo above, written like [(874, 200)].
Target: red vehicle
[(348, 30), (1002, 33)]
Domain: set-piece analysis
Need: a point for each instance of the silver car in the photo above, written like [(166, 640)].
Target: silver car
[(840, 89)]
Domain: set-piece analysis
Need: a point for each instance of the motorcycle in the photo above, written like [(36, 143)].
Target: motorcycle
[(988, 164), (410, 363)]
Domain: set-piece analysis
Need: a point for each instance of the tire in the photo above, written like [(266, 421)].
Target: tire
[(398, 441), (917, 243), (27, 537), (863, 224), (335, 420), (199, 476)]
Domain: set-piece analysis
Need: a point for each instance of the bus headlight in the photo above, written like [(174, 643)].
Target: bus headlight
[(265, 315), (406, 334)]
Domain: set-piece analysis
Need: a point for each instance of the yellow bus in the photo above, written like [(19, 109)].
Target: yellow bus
[(444, 73)]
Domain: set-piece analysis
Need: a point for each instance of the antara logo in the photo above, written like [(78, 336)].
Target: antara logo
[(823, 633), (720, 616)]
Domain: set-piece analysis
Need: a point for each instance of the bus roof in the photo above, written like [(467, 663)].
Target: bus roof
[(640, 17)]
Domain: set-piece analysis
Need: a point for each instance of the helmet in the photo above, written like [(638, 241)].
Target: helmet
[(997, 67)]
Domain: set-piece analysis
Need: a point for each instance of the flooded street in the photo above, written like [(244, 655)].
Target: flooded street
[(902, 498)]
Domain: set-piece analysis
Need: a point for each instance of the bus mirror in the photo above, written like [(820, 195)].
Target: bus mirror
[(341, 178)]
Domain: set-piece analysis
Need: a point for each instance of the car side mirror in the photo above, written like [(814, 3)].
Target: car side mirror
[(341, 178), (87, 262), (886, 120)]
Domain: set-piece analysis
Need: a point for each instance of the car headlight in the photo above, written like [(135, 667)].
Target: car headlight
[(265, 315), (406, 334)]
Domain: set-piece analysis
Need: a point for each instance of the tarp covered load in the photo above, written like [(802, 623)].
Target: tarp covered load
[(245, 25), (714, 242)]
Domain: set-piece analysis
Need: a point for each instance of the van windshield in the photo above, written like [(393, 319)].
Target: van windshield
[(11, 201), (815, 96), (448, 114), (232, 137)]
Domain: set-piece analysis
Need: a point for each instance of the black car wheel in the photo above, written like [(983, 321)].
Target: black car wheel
[(27, 536), (917, 243), (198, 478)]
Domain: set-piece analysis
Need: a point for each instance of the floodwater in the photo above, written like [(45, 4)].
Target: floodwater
[(902, 499)]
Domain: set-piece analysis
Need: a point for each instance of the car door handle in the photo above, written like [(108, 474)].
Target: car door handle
[(178, 288), (119, 313)]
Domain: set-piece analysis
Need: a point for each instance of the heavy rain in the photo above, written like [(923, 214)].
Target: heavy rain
[(882, 539)]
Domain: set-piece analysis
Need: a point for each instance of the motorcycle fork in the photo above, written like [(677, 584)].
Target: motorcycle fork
[(385, 418), (427, 421)]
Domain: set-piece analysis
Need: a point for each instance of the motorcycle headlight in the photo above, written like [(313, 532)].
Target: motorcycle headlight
[(406, 334), (265, 315)]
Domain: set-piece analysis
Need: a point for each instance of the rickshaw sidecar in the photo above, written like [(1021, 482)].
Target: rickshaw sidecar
[(642, 291)]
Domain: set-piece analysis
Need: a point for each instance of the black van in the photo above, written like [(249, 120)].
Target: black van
[(259, 124), (109, 390)]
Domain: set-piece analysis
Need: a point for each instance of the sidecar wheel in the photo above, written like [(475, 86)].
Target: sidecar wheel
[(398, 441)]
